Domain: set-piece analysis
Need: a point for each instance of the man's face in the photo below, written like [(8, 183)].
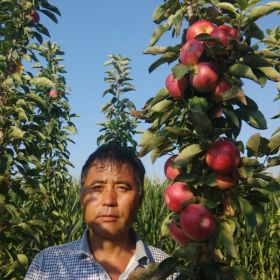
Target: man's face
[(110, 199)]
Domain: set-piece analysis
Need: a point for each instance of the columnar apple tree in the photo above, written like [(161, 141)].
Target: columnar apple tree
[(218, 184), (35, 128), (120, 125)]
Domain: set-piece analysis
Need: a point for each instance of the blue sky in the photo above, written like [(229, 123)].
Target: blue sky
[(88, 31)]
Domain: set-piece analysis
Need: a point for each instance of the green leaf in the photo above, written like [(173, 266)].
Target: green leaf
[(50, 7), (159, 13), (253, 145), (42, 81), (161, 95), (15, 133), (50, 15), (273, 161), (254, 118), (270, 73), (274, 142), (233, 117), (243, 4), (249, 162), (163, 106), (5, 162), (261, 11), (165, 225), (235, 92), (226, 231), (239, 273), (226, 6), (187, 154), (150, 144), (249, 214), (167, 57), (241, 70), (201, 121), (155, 50), (22, 259), (181, 70), (36, 99), (158, 33)]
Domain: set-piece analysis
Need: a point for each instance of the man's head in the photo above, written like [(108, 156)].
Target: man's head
[(112, 190), (115, 155)]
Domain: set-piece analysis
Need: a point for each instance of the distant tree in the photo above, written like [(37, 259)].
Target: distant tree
[(35, 129), (120, 125)]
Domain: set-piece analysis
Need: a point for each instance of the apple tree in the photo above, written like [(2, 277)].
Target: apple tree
[(35, 129), (120, 125), (218, 184)]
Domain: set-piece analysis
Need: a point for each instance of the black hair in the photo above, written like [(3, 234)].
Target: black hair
[(116, 155)]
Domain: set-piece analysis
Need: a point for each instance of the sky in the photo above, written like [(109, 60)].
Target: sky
[(88, 31)]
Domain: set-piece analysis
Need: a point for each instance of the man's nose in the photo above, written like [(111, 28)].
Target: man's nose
[(110, 197)]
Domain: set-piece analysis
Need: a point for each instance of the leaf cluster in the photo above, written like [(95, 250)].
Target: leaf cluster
[(35, 130), (120, 125), (187, 127)]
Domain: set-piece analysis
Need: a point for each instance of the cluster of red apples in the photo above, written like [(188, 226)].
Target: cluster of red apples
[(204, 77), (196, 222)]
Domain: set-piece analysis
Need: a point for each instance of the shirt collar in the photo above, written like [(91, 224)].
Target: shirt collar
[(140, 251)]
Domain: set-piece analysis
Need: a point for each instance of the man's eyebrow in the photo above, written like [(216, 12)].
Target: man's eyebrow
[(97, 181), (121, 181)]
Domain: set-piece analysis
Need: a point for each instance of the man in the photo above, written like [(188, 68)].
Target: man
[(112, 183)]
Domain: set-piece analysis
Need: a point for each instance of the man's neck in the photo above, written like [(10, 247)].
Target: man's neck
[(113, 254), (124, 243)]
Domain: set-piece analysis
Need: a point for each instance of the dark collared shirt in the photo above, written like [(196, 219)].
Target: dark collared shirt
[(74, 261)]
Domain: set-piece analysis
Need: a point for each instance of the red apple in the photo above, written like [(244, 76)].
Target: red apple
[(191, 52), (177, 233), (205, 77), (175, 195), (227, 181), (222, 86), (223, 156), (176, 88), (197, 222), (199, 27), (229, 29), (35, 16), (53, 93), (222, 36), (171, 172)]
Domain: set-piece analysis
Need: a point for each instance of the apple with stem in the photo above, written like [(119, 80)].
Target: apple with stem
[(191, 52), (177, 233), (175, 87), (223, 156), (199, 27), (229, 29), (171, 172), (205, 77), (197, 222), (227, 181), (222, 86)]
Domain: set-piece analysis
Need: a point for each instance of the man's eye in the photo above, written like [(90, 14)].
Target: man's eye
[(123, 187), (94, 188)]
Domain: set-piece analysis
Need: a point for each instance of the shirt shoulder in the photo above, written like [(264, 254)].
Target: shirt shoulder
[(49, 261), (157, 255), (66, 249)]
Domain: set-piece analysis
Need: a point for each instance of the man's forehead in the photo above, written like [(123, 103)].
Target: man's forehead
[(110, 166)]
